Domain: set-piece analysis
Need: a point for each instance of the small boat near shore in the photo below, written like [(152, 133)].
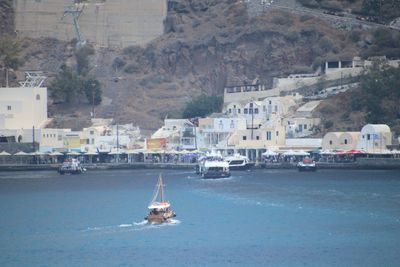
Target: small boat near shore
[(160, 210), (239, 162), (71, 166), (307, 164)]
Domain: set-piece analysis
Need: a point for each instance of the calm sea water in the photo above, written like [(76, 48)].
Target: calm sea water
[(257, 218)]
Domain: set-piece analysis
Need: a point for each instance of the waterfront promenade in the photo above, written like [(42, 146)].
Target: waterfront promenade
[(361, 163)]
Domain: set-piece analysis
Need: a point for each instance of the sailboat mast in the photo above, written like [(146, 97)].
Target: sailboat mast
[(161, 189)]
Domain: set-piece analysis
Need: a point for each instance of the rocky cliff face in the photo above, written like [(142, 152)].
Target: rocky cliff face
[(208, 45)]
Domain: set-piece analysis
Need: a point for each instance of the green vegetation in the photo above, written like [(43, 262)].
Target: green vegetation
[(67, 86), (282, 20), (385, 10), (9, 53), (309, 3), (202, 106), (118, 63), (82, 59), (92, 90), (385, 43), (379, 96), (70, 86)]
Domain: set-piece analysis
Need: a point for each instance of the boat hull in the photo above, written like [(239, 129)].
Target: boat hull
[(307, 168), (215, 175), (243, 167), (160, 217), (70, 171)]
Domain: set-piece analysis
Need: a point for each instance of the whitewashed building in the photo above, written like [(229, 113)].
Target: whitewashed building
[(215, 131), (24, 107), (374, 138)]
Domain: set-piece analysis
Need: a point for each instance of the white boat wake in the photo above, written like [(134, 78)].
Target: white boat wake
[(135, 226)]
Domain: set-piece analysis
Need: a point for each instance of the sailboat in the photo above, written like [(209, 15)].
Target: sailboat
[(159, 208)]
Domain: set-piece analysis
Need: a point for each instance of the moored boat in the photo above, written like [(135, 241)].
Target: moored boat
[(71, 166), (307, 165), (239, 162), (160, 210), (213, 166)]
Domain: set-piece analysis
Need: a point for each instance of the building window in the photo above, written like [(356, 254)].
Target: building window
[(234, 106), (87, 141), (276, 108), (59, 137), (232, 124), (37, 97), (277, 133), (256, 111), (368, 137), (270, 102), (245, 111), (44, 136), (92, 141), (269, 136), (251, 105), (91, 132), (345, 141), (305, 126), (238, 110), (264, 108), (244, 137), (230, 110), (330, 142), (8, 107), (257, 137)]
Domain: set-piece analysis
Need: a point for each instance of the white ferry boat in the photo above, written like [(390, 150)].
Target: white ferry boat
[(239, 162), (213, 166), (71, 166)]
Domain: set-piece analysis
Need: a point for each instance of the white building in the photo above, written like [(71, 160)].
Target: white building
[(215, 131), (24, 107), (375, 138), (297, 127), (178, 134), (49, 139), (340, 140)]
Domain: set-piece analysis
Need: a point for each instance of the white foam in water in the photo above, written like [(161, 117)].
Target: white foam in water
[(125, 225), (135, 226), (144, 222)]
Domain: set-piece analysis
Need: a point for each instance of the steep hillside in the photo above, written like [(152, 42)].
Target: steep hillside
[(208, 45)]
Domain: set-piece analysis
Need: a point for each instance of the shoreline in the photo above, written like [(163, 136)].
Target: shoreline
[(360, 164)]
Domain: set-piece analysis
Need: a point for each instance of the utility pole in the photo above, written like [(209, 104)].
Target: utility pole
[(6, 77), (93, 86), (75, 12), (252, 118), (117, 144), (33, 138)]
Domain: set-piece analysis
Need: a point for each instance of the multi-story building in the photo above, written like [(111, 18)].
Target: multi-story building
[(24, 107)]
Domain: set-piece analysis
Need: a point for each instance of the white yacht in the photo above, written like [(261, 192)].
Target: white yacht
[(239, 162)]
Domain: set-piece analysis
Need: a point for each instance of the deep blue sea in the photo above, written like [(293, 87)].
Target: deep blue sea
[(254, 218)]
